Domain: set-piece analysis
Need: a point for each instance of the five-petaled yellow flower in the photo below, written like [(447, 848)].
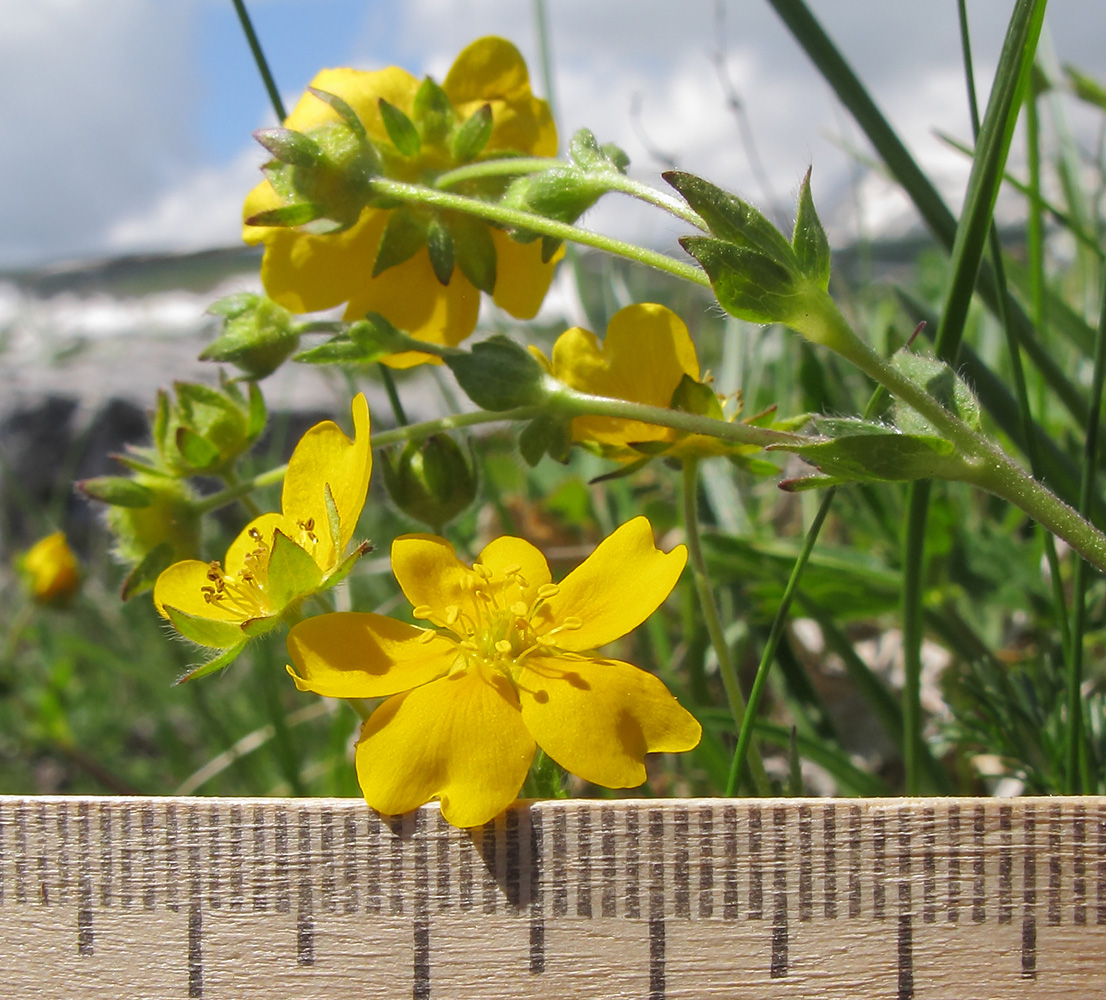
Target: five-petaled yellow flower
[(647, 357), (506, 664), (278, 559), (305, 272), (51, 569)]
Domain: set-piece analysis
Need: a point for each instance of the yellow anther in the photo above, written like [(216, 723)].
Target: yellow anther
[(571, 624), (422, 612), (451, 614), (481, 570), (428, 635), (548, 590), (519, 609), (512, 570), (503, 646), (468, 644)]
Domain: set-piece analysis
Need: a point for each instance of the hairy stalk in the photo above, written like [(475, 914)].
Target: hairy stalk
[(259, 58)]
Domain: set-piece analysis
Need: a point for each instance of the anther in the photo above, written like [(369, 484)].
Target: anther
[(422, 612), (548, 590), (481, 570), (427, 635), (519, 609), (571, 624), (451, 614), (512, 570), (503, 646)]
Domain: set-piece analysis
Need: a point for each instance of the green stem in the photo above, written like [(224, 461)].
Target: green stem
[(913, 584), (710, 616), (259, 58), (514, 218), (393, 395)]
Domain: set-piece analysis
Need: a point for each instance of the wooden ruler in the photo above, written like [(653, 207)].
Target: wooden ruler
[(321, 898)]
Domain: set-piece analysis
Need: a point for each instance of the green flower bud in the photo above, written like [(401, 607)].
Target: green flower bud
[(431, 480), (118, 491), (258, 335)]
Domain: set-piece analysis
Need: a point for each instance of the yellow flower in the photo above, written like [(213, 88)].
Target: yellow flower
[(51, 569), (505, 666), (278, 559), (305, 272)]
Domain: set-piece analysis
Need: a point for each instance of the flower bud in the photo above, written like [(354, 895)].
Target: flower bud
[(431, 480), (50, 570), (258, 335), (119, 491)]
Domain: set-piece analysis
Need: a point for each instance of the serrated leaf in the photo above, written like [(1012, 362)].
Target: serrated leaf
[(401, 130), (292, 571), (197, 451), (474, 251), (224, 659), (747, 284), (404, 235), (204, 631), (440, 245), (809, 240), (473, 135)]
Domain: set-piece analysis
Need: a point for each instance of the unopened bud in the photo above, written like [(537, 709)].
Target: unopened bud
[(50, 570), (431, 480), (258, 335)]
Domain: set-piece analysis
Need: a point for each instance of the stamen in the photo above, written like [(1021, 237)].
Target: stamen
[(452, 613), (548, 590), (519, 609), (571, 624), (422, 612), (428, 635), (481, 570), (503, 646), (512, 570)]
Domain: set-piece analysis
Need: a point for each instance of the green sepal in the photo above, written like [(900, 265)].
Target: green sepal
[(940, 382), (404, 235), (471, 138), (650, 449), (730, 218), (343, 110), (363, 342), (622, 471), (498, 374), (204, 631), (474, 251), (746, 283), (549, 247), (809, 240), (584, 150), (800, 484), (547, 435), (119, 491), (230, 306), (289, 146), (431, 480), (440, 246), (333, 521), (753, 465), (224, 659), (288, 216), (401, 130), (258, 413), (142, 577), (346, 565), (197, 451), (433, 112), (693, 396), (293, 573), (257, 337)]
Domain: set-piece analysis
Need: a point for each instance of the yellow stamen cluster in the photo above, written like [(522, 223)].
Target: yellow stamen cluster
[(245, 591)]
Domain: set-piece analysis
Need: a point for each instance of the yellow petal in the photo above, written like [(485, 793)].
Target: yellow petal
[(325, 457), (412, 298), (180, 586), (646, 352), (460, 739), (428, 571), (617, 587), (362, 91), (349, 654), (599, 718), (516, 554), (307, 273), (255, 538), (521, 279), (261, 199)]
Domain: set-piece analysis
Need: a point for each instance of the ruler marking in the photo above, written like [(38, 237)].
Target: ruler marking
[(560, 853), (979, 885), (706, 861), (1054, 830), (351, 898), (395, 853), (1079, 866), (730, 902), (879, 864), (63, 852), (829, 861), (929, 866), (421, 987), (854, 862), (756, 884), (195, 908), (237, 869), (609, 862), (633, 852), (260, 899), (2, 854), (537, 918), (489, 854), (512, 875), (443, 833), (373, 897), (126, 856), (305, 913), (681, 859), (282, 881), (41, 864), (214, 849), (657, 956), (1029, 896), (806, 863), (583, 855), (1100, 917), (84, 879), (778, 967), (105, 855), (21, 852), (905, 948), (149, 856), (1005, 865), (172, 858), (952, 912), (328, 868)]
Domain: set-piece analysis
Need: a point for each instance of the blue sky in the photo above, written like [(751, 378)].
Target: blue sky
[(130, 126)]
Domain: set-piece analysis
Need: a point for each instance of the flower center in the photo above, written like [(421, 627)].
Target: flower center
[(496, 625), (244, 592)]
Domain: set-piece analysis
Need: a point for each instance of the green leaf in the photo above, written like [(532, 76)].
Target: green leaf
[(943, 384), (747, 284), (224, 659), (474, 251), (473, 135), (440, 245), (498, 374), (292, 572), (197, 451), (809, 239), (692, 396), (401, 130), (404, 235), (204, 631), (545, 436), (732, 219)]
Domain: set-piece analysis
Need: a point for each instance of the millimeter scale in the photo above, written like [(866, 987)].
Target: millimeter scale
[(315, 899)]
